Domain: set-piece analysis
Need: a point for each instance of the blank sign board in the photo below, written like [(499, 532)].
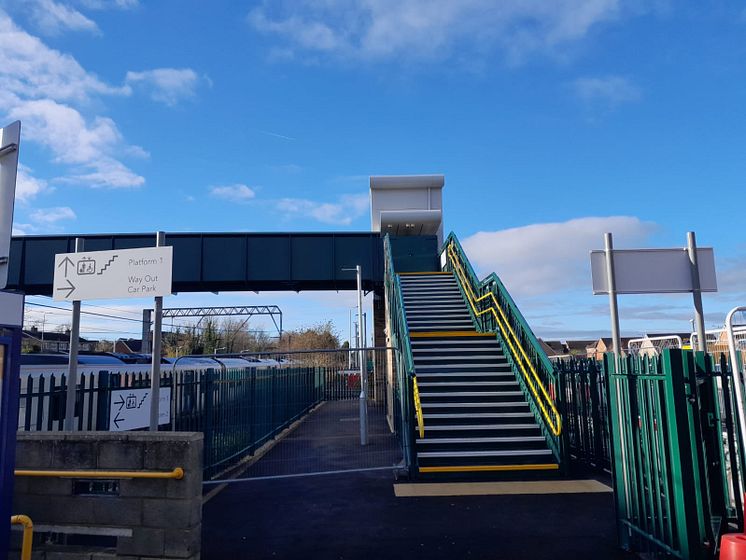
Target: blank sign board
[(653, 271)]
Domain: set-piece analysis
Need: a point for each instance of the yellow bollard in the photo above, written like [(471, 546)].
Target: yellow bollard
[(28, 534)]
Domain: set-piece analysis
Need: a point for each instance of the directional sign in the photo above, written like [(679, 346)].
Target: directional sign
[(129, 273), (130, 409)]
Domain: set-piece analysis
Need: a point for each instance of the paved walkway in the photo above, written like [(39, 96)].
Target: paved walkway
[(357, 516)]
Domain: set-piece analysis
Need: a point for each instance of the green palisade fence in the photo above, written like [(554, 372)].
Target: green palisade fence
[(671, 431)]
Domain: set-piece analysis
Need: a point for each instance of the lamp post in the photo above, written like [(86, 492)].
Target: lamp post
[(361, 356)]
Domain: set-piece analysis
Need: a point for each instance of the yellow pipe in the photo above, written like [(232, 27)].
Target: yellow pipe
[(28, 534), (177, 474), (555, 421)]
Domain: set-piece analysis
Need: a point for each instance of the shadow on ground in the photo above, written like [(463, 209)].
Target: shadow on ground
[(358, 517)]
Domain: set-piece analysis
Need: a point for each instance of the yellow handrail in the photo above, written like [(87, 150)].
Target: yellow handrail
[(28, 534), (554, 420), (418, 408), (176, 474)]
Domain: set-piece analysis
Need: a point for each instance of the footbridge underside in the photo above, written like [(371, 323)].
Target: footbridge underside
[(217, 262)]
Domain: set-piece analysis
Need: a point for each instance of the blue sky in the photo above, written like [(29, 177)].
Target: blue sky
[(552, 122)]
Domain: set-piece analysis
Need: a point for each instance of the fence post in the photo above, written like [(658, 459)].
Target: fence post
[(596, 419), (616, 383), (103, 401), (208, 421), (688, 515)]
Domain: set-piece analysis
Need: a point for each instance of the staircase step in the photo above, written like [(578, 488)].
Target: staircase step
[(429, 384), (491, 453), (479, 440), (485, 427), (506, 404), (437, 375), (435, 368), (456, 415), (470, 394)]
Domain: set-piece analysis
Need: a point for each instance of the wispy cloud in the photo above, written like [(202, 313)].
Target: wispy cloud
[(28, 186), (549, 258), (167, 85), (48, 90), (234, 193), (342, 212), (610, 91), (275, 134), (52, 215), (52, 18), (110, 4), (88, 146), (432, 29)]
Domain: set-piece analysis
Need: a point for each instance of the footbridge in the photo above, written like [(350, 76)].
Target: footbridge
[(457, 396)]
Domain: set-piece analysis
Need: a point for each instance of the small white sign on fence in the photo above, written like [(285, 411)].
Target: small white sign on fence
[(130, 409)]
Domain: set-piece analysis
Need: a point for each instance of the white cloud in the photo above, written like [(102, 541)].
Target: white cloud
[(41, 86), (166, 85), (28, 186), (53, 18), (110, 4), (85, 145), (425, 29), (30, 69), (343, 212), (234, 193), (608, 90), (50, 216), (548, 258)]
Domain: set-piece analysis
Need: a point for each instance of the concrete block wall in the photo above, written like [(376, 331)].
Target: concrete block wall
[(142, 519)]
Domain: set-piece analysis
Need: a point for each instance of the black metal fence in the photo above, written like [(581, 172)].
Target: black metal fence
[(585, 413), (238, 407)]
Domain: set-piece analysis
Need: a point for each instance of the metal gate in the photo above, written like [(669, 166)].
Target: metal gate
[(675, 458)]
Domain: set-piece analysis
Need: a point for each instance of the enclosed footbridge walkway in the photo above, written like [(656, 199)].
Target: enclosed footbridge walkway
[(480, 392)]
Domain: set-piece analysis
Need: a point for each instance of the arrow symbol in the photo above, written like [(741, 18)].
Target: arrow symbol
[(69, 287), (117, 420), (67, 262), (120, 402)]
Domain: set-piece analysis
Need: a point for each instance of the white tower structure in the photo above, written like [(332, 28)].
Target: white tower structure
[(407, 205)]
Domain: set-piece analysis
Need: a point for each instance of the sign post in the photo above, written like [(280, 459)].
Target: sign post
[(699, 317), (72, 363), (10, 138), (155, 357)]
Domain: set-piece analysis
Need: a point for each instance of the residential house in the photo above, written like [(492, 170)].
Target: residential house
[(35, 341)]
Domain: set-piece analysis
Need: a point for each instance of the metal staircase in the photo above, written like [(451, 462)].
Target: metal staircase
[(475, 415)]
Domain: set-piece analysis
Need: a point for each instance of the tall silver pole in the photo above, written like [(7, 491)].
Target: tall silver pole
[(613, 308), (699, 317), (349, 357), (155, 367), (617, 346), (363, 365), (72, 364)]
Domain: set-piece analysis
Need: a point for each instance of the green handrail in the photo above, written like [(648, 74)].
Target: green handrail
[(399, 335), (493, 288)]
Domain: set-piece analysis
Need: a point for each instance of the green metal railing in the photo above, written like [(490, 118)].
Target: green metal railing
[(676, 476), (493, 310), (396, 324)]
